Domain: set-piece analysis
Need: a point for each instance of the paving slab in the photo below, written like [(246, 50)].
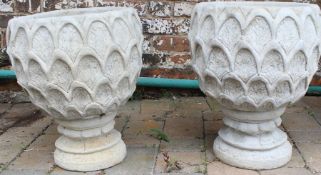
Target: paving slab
[(52, 129), (312, 101), (296, 160), (213, 126), (130, 107), (300, 121), (139, 161), (190, 107), (33, 160), (311, 153), (188, 162), (287, 171), (212, 115), (146, 116), (219, 168), (297, 107), (59, 171), (24, 172), (5, 124), (209, 140), (44, 143), (156, 107), (192, 144), (139, 133), (14, 140), (121, 122), (305, 136), (184, 128), (213, 104), (21, 111), (4, 107)]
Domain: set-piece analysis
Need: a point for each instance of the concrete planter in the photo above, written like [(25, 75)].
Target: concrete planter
[(254, 58), (79, 65)]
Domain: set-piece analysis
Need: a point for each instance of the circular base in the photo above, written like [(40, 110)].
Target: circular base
[(253, 159), (91, 161)]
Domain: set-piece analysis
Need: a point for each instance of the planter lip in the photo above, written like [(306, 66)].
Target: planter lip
[(253, 4), (75, 13)]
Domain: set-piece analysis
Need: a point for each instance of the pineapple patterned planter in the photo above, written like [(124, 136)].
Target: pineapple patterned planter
[(254, 58), (79, 66)]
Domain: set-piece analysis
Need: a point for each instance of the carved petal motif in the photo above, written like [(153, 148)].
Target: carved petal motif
[(309, 32), (272, 66), (121, 33), (37, 76), (233, 88), (21, 44), (207, 30), (258, 91), (298, 66), (80, 98), (61, 75), (288, 33), (114, 67), (89, 71), (99, 38), (43, 45), (70, 40), (218, 62), (245, 65), (258, 33), (230, 33)]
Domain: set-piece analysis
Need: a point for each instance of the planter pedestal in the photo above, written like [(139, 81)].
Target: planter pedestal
[(247, 143), (88, 145)]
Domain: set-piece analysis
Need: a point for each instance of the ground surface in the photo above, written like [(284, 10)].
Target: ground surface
[(27, 139)]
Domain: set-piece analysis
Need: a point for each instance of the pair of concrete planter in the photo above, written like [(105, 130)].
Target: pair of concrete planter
[(254, 58)]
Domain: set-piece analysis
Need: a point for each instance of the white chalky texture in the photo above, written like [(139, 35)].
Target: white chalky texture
[(79, 66), (254, 58)]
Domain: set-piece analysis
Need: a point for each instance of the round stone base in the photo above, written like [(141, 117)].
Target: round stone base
[(90, 154), (253, 159)]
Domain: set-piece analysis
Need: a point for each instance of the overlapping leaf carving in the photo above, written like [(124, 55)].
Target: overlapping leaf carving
[(255, 59), (77, 66)]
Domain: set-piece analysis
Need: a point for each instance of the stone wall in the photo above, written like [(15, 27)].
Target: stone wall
[(165, 25)]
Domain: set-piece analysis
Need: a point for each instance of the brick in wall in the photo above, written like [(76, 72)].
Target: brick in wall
[(140, 6), (27, 6), (177, 73), (160, 9), (157, 26), (166, 25), (180, 59), (50, 5), (4, 20), (106, 3), (171, 43), (153, 59), (82, 3), (6, 6), (181, 25), (2, 38), (183, 8)]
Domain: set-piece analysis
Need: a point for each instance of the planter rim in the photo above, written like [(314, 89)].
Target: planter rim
[(72, 13), (252, 4)]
